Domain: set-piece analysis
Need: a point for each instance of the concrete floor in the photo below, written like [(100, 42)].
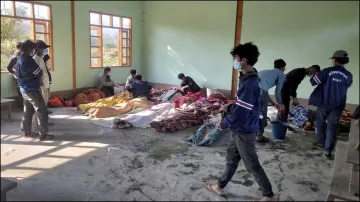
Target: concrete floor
[(78, 165)]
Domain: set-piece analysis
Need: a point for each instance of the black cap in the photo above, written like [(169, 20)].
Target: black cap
[(41, 44)]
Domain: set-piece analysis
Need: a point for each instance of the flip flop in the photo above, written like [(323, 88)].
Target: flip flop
[(209, 188)]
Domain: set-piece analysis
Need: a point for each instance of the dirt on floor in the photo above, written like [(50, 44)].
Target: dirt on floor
[(90, 162)]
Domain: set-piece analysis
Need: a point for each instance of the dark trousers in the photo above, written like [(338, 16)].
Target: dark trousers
[(20, 99), (34, 103), (264, 106), (285, 98), (108, 91), (332, 117), (242, 146)]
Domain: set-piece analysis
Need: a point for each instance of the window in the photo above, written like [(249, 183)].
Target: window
[(20, 21), (110, 40)]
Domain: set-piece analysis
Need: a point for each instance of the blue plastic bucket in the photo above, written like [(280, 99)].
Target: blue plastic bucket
[(279, 129)]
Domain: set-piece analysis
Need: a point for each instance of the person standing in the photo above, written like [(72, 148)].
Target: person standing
[(47, 61), (12, 68), (41, 48), (291, 84), (188, 85), (244, 123), (330, 98), (270, 78), (131, 78), (29, 80)]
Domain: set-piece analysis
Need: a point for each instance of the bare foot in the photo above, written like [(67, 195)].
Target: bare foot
[(215, 189)]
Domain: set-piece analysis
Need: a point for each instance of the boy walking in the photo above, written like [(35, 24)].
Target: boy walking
[(244, 124)]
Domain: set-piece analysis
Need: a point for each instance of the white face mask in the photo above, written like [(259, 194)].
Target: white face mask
[(237, 65), (46, 51), (32, 52)]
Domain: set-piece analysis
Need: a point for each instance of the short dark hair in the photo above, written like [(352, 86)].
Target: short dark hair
[(181, 75), (133, 71), (279, 63), (342, 61), (107, 69), (248, 51), (18, 45), (138, 77), (28, 45), (316, 67)]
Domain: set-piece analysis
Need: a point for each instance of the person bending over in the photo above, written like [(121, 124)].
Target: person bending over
[(187, 84), (270, 78), (29, 81), (330, 98), (244, 123), (105, 84), (130, 78), (291, 84), (139, 88)]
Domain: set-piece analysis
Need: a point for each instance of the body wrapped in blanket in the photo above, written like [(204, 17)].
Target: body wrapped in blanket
[(195, 114)]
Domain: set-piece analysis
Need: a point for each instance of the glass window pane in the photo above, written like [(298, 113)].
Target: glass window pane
[(42, 26), (95, 62), (6, 8), (124, 61), (95, 31), (116, 21), (126, 23), (95, 19), (12, 32), (125, 35), (23, 9), (95, 52), (95, 41), (110, 46), (105, 20), (124, 43), (43, 37), (42, 12), (124, 52)]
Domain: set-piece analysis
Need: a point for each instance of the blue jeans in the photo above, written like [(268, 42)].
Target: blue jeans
[(332, 116)]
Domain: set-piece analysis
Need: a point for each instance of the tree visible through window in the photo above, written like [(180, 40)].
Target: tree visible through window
[(110, 40), (21, 21)]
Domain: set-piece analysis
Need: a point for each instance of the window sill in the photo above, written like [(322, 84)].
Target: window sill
[(110, 67)]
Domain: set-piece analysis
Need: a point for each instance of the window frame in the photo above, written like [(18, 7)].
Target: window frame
[(120, 47), (33, 23)]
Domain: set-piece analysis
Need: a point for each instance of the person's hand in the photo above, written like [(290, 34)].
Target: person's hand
[(295, 101), (282, 107), (218, 125)]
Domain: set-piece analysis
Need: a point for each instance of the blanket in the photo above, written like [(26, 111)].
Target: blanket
[(186, 99), (120, 98), (207, 134), (118, 109), (155, 113), (194, 115)]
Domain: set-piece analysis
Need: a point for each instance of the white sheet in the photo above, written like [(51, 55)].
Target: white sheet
[(155, 113)]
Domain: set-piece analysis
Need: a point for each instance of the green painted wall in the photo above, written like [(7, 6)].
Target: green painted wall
[(304, 33), (85, 76), (62, 78), (194, 38)]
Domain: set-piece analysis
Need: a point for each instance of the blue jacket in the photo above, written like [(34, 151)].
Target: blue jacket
[(140, 89), (332, 85), (245, 117), (29, 74)]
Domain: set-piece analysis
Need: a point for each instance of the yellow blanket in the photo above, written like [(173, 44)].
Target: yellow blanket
[(106, 102), (118, 109)]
